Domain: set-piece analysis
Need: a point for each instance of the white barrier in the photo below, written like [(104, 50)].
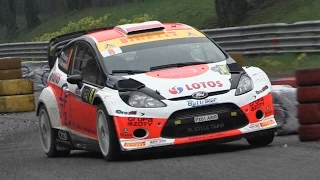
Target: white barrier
[(285, 104), (284, 97), (37, 71)]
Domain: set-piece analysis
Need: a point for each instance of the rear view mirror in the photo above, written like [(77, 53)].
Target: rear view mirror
[(75, 79)]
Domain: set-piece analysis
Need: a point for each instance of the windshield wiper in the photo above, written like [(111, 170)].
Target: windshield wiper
[(177, 65), (128, 71)]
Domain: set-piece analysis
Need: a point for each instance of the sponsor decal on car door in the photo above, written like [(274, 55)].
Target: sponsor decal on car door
[(83, 112)]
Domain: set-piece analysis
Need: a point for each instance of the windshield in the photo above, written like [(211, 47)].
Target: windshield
[(145, 56)]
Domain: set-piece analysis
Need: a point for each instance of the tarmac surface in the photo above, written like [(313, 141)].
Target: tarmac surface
[(22, 157)]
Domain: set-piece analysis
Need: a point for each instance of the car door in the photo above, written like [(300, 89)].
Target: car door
[(62, 91), (83, 113)]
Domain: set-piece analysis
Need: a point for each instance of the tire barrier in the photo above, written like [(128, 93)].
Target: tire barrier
[(16, 87), (17, 103), (308, 96), (309, 132), (10, 63), (309, 113), (285, 81), (308, 77), (10, 74), (16, 94), (284, 101)]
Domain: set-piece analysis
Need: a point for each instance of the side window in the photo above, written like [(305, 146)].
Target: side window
[(86, 65), (64, 58)]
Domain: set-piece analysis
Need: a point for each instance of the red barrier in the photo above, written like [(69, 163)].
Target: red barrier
[(291, 81)]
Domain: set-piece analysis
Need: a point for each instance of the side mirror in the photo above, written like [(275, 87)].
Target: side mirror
[(75, 79)]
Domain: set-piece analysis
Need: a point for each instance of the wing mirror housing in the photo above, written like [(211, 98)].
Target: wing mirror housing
[(75, 79)]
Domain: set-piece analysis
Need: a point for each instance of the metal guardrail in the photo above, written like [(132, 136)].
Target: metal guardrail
[(251, 40), (26, 50)]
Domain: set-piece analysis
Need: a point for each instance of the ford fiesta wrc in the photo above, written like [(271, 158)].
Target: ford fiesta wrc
[(149, 85)]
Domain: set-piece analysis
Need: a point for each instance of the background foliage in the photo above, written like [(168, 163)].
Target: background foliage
[(90, 23)]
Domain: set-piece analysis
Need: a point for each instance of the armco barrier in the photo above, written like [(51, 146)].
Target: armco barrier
[(250, 40)]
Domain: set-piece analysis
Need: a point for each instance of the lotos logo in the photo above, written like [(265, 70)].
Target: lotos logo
[(176, 90), (203, 85)]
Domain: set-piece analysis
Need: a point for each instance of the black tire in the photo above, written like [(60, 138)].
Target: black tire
[(309, 132), (112, 152), (51, 151), (262, 140), (308, 94), (308, 77)]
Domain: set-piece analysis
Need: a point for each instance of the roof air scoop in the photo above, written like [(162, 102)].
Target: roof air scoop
[(149, 26)]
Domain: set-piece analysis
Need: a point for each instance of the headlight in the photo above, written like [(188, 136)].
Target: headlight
[(245, 85), (141, 100)]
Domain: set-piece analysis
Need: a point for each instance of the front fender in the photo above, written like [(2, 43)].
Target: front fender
[(48, 99), (111, 100), (261, 81), (99, 98)]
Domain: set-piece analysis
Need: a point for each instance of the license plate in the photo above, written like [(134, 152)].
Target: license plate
[(210, 117)]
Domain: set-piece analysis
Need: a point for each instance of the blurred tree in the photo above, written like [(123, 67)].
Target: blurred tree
[(230, 12), (78, 4), (12, 6), (85, 4), (7, 18), (31, 14)]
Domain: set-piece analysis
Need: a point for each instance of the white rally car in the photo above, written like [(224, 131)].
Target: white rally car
[(147, 85)]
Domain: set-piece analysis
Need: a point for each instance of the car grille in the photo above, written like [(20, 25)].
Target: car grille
[(190, 97), (181, 123)]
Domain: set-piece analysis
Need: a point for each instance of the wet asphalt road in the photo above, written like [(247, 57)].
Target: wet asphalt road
[(21, 157)]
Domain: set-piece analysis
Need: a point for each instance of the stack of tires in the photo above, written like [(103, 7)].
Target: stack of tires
[(308, 96), (16, 94), (285, 81)]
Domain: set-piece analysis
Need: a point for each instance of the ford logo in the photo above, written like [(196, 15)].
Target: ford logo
[(199, 95)]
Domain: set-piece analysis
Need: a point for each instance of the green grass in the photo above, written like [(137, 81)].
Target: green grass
[(200, 14), (284, 65), (285, 11)]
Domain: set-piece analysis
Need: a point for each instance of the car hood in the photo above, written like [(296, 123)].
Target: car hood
[(184, 81)]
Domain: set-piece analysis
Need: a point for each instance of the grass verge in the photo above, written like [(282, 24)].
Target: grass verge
[(199, 14), (285, 64)]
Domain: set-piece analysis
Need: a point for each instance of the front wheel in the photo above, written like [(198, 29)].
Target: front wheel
[(47, 137), (107, 135), (262, 140)]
